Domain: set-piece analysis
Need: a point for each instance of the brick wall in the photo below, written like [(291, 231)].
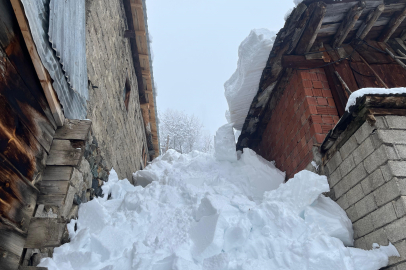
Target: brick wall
[(367, 176), (120, 133), (302, 118)]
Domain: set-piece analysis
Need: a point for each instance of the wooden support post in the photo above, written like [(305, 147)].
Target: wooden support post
[(349, 92), (310, 33), (42, 73), (348, 23), (45, 232), (392, 26), (370, 21)]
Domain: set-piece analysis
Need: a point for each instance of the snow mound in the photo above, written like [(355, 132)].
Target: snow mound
[(224, 143), (201, 213), (373, 91), (243, 85)]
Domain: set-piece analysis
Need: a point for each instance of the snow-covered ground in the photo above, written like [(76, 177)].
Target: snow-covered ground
[(203, 212)]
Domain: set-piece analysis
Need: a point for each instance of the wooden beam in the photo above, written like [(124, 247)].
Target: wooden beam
[(396, 59), (74, 130), (392, 26), (129, 34), (370, 21), (42, 73), (300, 61), (310, 33), (375, 73), (348, 23), (64, 152), (45, 232)]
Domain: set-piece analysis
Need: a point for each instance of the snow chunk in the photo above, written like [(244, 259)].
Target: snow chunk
[(242, 87), (331, 218), (377, 91), (224, 143)]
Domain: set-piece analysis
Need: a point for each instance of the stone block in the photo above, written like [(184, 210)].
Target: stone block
[(381, 122), (401, 266), (343, 202), (363, 226), (400, 206), (356, 175), (397, 168), (396, 122), (348, 147), (360, 243), (334, 162), (379, 157), (334, 178), (372, 182), (387, 192), (392, 136), (347, 165), (396, 230), (352, 213), (342, 187), (401, 247), (363, 132), (383, 215), (366, 205), (379, 236), (355, 194), (364, 150), (401, 150)]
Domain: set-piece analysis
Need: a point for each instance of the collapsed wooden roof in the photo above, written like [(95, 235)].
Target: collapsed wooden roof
[(311, 24)]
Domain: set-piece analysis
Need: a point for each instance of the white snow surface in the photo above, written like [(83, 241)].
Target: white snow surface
[(243, 85), (377, 91), (201, 213)]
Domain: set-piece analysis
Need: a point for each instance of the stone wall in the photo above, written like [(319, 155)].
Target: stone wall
[(120, 132), (367, 176)]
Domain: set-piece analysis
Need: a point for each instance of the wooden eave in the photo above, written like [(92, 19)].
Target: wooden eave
[(311, 23)]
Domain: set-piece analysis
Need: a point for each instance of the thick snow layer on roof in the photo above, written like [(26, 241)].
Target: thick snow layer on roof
[(242, 87), (372, 91), (201, 213)]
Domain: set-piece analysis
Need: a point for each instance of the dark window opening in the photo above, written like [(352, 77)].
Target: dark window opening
[(127, 91)]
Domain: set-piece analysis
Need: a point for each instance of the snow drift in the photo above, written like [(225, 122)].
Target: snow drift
[(242, 87), (199, 212)]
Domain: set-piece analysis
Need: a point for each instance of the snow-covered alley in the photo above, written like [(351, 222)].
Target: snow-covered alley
[(229, 210)]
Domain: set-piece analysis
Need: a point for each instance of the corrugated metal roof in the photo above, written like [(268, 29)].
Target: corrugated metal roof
[(67, 33), (37, 12)]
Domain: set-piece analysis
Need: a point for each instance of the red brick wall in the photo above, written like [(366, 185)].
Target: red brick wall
[(302, 118)]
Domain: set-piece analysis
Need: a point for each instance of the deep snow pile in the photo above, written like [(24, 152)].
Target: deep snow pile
[(377, 91), (242, 87), (202, 213)]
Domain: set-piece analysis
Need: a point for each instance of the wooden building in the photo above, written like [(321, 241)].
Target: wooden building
[(49, 164)]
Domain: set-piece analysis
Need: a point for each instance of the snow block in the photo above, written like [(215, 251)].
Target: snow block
[(224, 144)]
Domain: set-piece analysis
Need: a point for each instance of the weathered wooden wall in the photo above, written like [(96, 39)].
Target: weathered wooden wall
[(26, 131)]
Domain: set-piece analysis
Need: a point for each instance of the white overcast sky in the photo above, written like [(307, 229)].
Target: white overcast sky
[(195, 46)]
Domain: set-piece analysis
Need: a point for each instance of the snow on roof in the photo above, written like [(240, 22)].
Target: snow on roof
[(352, 100)]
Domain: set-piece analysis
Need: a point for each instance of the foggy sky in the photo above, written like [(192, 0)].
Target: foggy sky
[(195, 47)]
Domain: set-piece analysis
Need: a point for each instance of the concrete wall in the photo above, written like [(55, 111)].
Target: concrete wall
[(303, 116), (367, 176), (120, 134)]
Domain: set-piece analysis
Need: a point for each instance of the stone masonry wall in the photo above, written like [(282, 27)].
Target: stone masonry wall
[(120, 133), (367, 176)]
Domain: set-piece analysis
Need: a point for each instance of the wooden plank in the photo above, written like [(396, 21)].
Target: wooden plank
[(11, 247), (54, 187), (17, 196), (51, 200), (370, 21), (388, 111), (32, 268), (312, 29), (55, 173), (74, 130), (392, 26), (300, 61), (64, 152), (348, 23), (45, 232), (12, 41), (337, 91), (43, 75), (23, 103), (371, 55)]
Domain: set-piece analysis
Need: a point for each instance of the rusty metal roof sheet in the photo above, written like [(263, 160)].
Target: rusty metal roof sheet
[(73, 102)]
